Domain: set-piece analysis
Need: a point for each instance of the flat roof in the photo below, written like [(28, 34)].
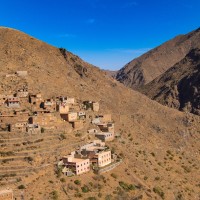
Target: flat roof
[(5, 191)]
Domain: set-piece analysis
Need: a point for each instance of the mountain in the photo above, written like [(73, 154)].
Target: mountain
[(150, 65), (179, 87), (159, 145)]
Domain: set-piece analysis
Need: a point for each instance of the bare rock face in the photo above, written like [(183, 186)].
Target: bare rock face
[(147, 67), (179, 87)]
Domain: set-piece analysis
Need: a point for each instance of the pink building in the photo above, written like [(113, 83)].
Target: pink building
[(77, 165)]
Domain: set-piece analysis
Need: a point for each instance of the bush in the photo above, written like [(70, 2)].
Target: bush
[(62, 180), (114, 175), (77, 182), (21, 187), (159, 191), (62, 137), (126, 186), (42, 130), (85, 189), (54, 195), (91, 198)]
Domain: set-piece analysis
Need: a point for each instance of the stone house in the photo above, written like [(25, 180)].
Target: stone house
[(6, 194)]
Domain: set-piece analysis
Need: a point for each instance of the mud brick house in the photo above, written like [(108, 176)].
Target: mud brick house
[(107, 127), (70, 117), (23, 93), (50, 105), (18, 127), (21, 73), (43, 119), (90, 105), (105, 136), (13, 102), (63, 108), (78, 125), (6, 194), (95, 106), (33, 129), (36, 99), (76, 165), (81, 115)]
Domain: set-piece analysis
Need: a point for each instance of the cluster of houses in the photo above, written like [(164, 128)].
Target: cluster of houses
[(94, 155), (22, 111)]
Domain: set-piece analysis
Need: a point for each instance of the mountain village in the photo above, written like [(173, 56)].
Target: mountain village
[(25, 112)]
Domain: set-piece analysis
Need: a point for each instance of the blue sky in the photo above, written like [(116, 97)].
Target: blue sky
[(106, 33)]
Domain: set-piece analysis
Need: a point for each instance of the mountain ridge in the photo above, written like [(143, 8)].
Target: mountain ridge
[(150, 65)]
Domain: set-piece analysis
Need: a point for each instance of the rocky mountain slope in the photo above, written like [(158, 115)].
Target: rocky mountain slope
[(147, 67), (159, 145), (179, 86)]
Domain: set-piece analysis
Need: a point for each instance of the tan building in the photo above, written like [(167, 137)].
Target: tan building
[(6, 194), (72, 116), (78, 125), (107, 127), (63, 108), (77, 165), (95, 106), (18, 127), (105, 136), (49, 105), (21, 73), (36, 99), (43, 119), (22, 93), (33, 129), (13, 102)]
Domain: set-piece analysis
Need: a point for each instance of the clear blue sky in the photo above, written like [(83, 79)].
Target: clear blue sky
[(106, 33)]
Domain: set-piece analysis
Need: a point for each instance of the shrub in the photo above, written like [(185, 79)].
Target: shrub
[(62, 137), (159, 191), (126, 186), (42, 130), (21, 187), (62, 180), (85, 189), (91, 198), (54, 195), (114, 175), (77, 182)]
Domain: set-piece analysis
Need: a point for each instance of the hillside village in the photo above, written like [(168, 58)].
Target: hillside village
[(32, 114)]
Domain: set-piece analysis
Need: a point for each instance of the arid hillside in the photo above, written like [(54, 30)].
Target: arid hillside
[(179, 86), (159, 145), (147, 67)]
